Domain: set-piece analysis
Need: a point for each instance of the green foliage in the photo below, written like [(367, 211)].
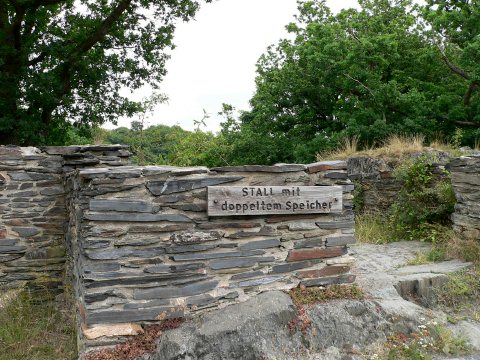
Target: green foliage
[(358, 197), (421, 210), (372, 72), (425, 202), (66, 61)]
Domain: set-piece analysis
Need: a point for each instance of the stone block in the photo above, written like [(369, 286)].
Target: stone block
[(284, 268), (135, 217), (169, 292), (165, 187), (121, 205), (262, 244), (326, 271), (193, 237), (326, 166), (26, 231), (111, 331), (217, 255), (340, 241), (125, 316), (122, 253), (309, 243), (173, 268), (278, 168), (315, 253), (247, 275), (258, 282)]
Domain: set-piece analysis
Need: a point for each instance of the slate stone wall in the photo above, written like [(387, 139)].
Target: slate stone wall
[(145, 249), (377, 186), (466, 184), (32, 209)]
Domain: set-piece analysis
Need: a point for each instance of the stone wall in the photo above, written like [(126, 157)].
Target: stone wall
[(377, 185), (145, 248), (466, 184), (32, 209)]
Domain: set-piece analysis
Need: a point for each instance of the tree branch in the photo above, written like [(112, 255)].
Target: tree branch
[(468, 123), (65, 69), (103, 29), (453, 67), (474, 86)]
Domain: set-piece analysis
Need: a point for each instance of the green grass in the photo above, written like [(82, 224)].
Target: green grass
[(373, 228), (37, 327)]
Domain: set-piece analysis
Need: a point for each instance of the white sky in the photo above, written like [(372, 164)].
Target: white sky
[(214, 61)]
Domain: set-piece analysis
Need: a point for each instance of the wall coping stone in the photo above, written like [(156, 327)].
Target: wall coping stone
[(277, 168)]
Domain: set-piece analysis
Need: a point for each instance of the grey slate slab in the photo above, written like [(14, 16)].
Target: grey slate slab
[(135, 217), (26, 231), (247, 275), (309, 243), (165, 187), (189, 248), (208, 256), (232, 263), (163, 269), (126, 316), (335, 224), (12, 249), (169, 292), (280, 168), (257, 282), (340, 240), (121, 253), (283, 268), (262, 244), (122, 205)]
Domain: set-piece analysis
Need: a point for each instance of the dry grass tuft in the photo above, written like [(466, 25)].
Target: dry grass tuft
[(465, 249), (395, 147), (348, 147)]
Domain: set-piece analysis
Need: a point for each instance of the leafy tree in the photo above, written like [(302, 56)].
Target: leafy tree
[(456, 29), (65, 61), (370, 73), (152, 145)]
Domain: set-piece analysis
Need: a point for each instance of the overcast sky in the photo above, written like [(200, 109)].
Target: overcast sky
[(214, 61)]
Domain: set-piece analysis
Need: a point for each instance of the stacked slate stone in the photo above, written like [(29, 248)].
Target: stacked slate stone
[(145, 249), (377, 185), (32, 209), (90, 155), (465, 173)]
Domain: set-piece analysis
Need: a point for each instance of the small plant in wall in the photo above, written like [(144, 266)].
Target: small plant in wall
[(424, 205)]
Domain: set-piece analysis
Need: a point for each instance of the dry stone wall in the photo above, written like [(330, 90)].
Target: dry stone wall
[(145, 249), (466, 184), (32, 209), (377, 185)]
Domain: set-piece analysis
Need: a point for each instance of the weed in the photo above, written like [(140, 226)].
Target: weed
[(461, 287), (312, 295), (373, 228), (35, 326), (419, 345), (139, 345)]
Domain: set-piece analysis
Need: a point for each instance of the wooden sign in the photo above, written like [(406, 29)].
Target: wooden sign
[(270, 200)]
